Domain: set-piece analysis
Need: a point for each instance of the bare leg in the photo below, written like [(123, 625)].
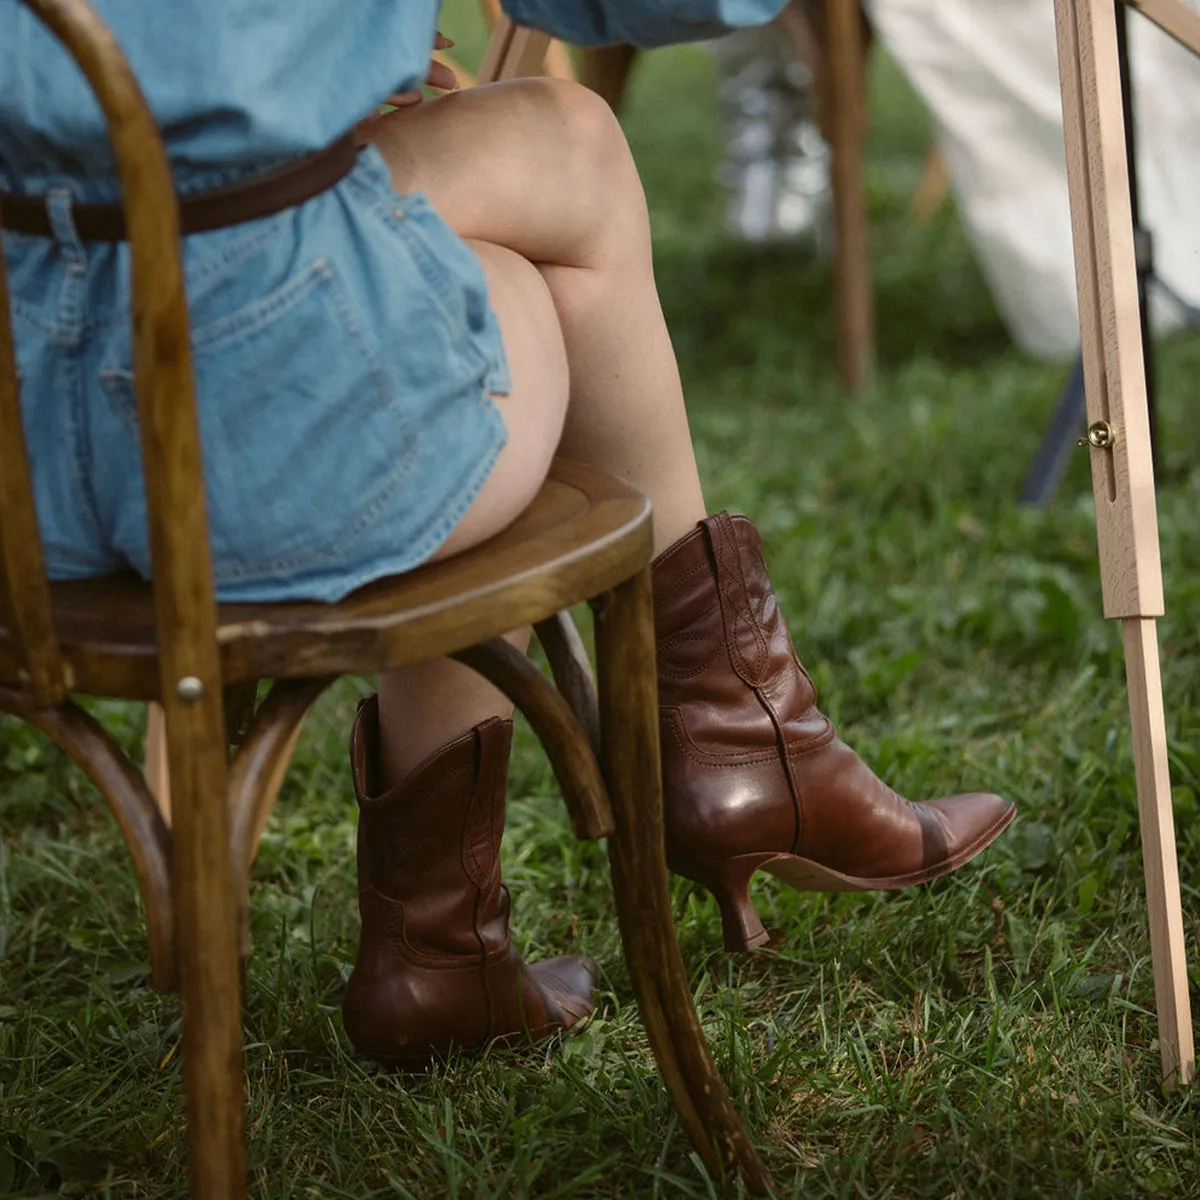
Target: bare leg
[(538, 172), (541, 167), (424, 707)]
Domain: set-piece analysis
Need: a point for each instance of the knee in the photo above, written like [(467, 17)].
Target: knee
[(590, 144), (583, 115)]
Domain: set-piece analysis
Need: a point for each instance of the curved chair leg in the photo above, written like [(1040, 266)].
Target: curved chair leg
[(239, 713), (81, 736), (566, 746), (257, 775), (629, 723), (240, 703), (572, 672)]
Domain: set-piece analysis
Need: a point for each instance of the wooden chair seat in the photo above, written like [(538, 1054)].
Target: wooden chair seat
[(583, 534)]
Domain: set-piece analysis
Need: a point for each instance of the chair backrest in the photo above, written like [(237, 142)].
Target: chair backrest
[(170, 441)]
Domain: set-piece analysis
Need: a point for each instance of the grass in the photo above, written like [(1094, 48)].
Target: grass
[(991, 1035)]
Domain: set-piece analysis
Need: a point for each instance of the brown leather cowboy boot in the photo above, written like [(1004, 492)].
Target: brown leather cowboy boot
[(436, 969), (754, 775)]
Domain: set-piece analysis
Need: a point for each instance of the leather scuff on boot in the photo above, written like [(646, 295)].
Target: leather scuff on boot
[(754, 775), (436, 969)]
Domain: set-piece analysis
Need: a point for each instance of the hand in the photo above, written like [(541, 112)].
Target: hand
[(440, 76)]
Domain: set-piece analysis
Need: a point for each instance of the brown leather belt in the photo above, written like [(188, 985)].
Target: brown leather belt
[(247, 200)]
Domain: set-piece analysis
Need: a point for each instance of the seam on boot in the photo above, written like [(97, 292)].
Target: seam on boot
[(678, 640), (677, 727), (684, 577), (437, 959), (389, 797), (734, 599)]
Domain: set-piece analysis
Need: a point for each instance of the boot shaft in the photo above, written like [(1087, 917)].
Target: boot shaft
[(724, 653), (430, 846), (436, 969)]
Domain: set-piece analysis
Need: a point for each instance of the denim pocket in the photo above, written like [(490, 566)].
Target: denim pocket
[(455, 282), (305, 439)]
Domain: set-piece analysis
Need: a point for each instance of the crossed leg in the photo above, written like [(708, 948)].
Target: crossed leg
[(537, 177)]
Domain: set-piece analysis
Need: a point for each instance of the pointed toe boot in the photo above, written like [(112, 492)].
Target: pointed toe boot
[(436, 969), (754, 774)]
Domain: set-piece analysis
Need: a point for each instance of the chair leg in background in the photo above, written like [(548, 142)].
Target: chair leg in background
[(158, 773), (629, 733), (606, 71), (845, 67)]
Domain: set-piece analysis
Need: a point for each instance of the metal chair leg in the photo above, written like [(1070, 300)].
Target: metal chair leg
[(630, 754)]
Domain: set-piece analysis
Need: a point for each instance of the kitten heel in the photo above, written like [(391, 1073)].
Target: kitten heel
[(729, 881)]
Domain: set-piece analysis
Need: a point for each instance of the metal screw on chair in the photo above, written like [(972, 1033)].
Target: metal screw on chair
[(190, 689)]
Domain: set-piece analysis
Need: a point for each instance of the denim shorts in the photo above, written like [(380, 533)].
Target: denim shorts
[(346, 357)]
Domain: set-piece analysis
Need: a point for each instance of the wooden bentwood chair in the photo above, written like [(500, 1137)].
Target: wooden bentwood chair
[(584, 537)]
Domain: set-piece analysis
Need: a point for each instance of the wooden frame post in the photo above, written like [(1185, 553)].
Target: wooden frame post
[(1122, 471), (845, 92)]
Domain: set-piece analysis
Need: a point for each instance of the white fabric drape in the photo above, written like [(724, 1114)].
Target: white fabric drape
[(988, 71)]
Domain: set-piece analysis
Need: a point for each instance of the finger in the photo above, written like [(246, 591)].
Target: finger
[(403, 99), (441, 77), (441, 41)]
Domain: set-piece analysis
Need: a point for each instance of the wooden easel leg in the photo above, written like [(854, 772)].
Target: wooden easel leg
[(1122, 471), (632, 768), (1158, 850)]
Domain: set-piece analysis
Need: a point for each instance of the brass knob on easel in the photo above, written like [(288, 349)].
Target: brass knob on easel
[(1100, 435)]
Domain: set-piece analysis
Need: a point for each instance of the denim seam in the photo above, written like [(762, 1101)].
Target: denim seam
[(404, 229), (81, 457), (197, 272), (384, 565), (238, 249), (31, 316), (242, 326), (401, 215), (400, 471), (248, 322), (416, 206), (440, 282)]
